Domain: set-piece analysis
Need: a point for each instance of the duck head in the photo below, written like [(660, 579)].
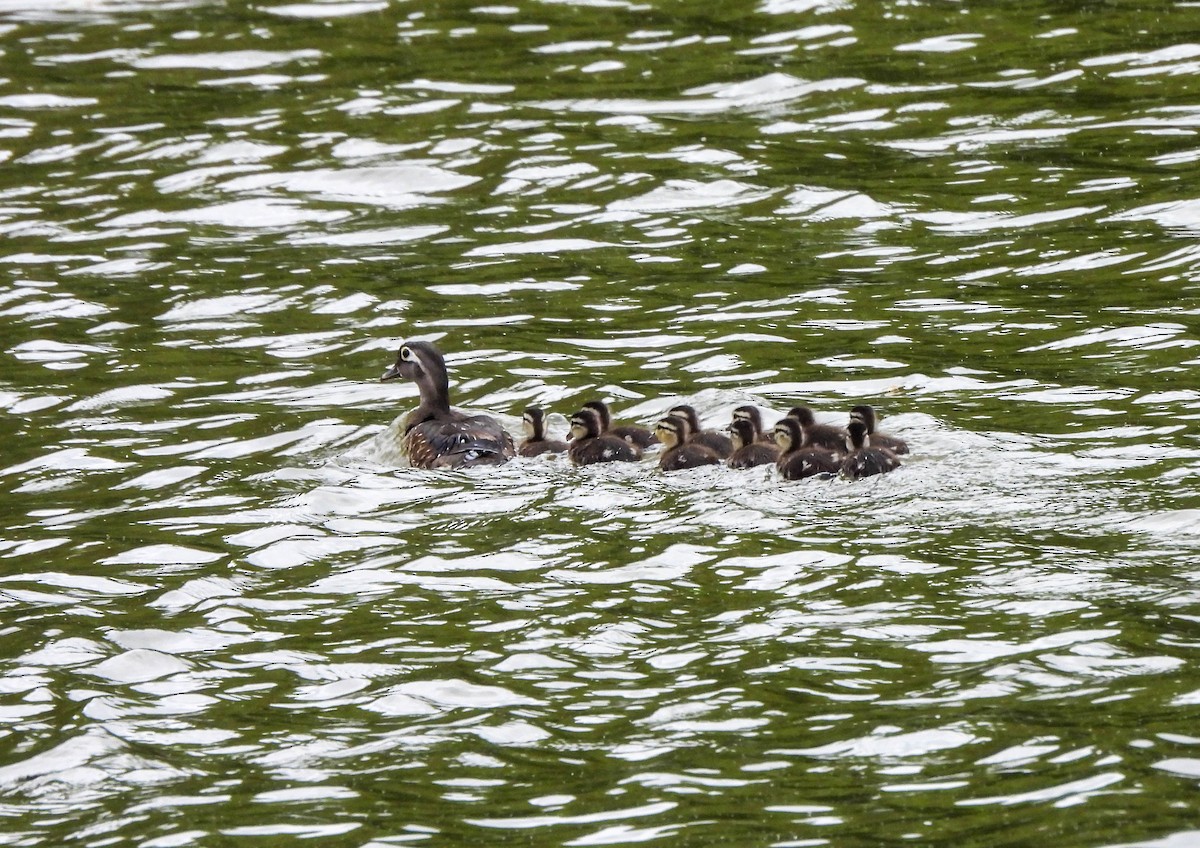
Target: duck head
[(585, 424), (672, 431), (865, 414), (789, 435), (743, 432), (751, 414), (533, 422), (802, 414), (602, 412), (856, 435), (686, 413), (422, 363)]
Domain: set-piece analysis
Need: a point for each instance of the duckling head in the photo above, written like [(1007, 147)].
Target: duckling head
[(802, 414), (865, 414), (671, 431), (742, 432), (856, 435), (602, 412), (533, 423), (688, 414), (585, 424), (749, 413), (788, 434)]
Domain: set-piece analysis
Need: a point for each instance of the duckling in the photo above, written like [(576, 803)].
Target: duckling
[(866, 414), (750, 413), (536, 443), (436, 436), (718, 443), (798, 460), (747, 452), (681, 452), (862, 459), (589, 445), (818, 435), (639, 437)]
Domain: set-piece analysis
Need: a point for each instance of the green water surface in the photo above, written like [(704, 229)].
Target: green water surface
[(233, 615)]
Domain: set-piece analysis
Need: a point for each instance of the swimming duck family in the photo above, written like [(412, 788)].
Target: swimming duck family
[(435, 435)]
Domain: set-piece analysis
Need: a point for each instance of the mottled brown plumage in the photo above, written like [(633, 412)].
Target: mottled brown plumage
[(638, 436), (718, 443), (798, 460), (863, 460), (680, 452), (436, 436), (748, 452), (589, 445), (818, 435)]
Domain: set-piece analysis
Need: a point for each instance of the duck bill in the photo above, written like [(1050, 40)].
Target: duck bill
[(391, 374)]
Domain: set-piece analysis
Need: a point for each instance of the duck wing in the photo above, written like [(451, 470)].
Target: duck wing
[(457, 441), (808, 462), (639, 437), (753, 454), (868, 462)]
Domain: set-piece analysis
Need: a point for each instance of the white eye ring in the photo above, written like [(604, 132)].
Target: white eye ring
[(406, 354)]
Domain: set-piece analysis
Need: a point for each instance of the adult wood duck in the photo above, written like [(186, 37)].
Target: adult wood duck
[(863, 460), (718, 443), (589, 445), (866, 415), (818, 435), (798, 460), (436, 436), (639, 437), (747, 450), (679, 451), (536, 444)]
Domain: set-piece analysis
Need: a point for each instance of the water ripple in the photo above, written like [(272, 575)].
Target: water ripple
[(233, 610)]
